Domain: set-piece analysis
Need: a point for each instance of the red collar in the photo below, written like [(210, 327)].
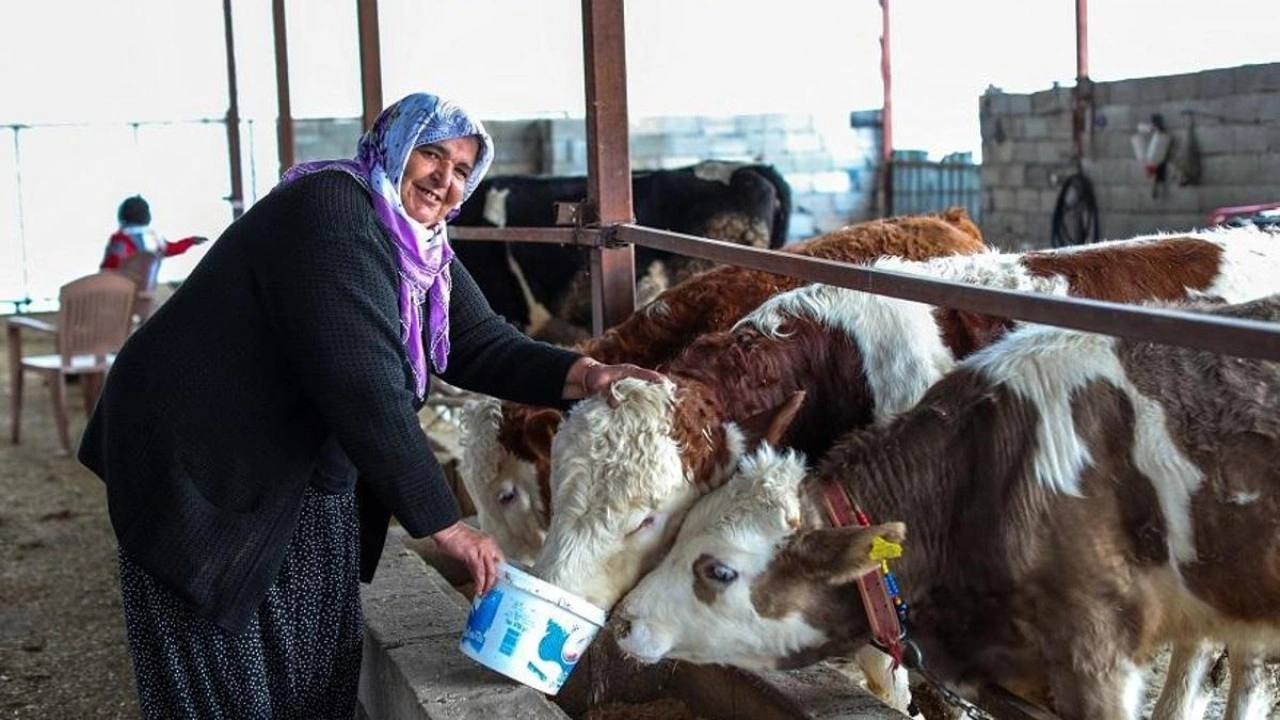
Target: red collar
[(882, 614)]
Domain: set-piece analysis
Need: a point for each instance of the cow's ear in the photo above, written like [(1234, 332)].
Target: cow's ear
[(771, 424), (842, 554), (539, 428)]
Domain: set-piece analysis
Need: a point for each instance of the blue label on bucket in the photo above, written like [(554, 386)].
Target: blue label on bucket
[(551, 647), (509, 640), (538, 673), (562, 646), (482, 619), (517, 620)]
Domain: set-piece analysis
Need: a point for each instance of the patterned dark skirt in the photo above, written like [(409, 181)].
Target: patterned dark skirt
[(299, 657)]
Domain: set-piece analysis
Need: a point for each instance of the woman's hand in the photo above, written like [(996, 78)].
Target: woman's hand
[(477, 550), (588, 377)]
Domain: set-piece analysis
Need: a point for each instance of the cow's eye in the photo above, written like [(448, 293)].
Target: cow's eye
[(648, 521), (720, 573), (506, 496)]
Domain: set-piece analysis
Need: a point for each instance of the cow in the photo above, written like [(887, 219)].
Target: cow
[(1071, 502), (613, 515), (505, 461), (850, 345), (748, 204)]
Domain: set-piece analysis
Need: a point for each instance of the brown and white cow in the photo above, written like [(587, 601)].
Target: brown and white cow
[(868, 358), (1074, 501), (506, 446)]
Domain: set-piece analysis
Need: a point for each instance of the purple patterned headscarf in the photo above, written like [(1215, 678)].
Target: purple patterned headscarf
[(424, 252)]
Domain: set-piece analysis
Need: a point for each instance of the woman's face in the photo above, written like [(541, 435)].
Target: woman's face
[(435, 176)]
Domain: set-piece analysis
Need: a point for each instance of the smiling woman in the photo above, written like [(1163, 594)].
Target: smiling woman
[(315, 321), (435, 177)]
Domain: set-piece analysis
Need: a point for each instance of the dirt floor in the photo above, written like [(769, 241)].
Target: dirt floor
[(63, 651)]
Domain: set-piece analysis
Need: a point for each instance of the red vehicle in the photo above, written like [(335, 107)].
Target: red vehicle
[(1261, 214)]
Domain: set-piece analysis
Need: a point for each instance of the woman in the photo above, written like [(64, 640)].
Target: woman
[(257, 434), (135, 235)]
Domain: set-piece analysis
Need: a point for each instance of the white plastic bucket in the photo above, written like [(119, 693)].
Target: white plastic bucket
[(530, 630)]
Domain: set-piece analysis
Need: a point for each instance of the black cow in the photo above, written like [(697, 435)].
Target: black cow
[(746, 204)]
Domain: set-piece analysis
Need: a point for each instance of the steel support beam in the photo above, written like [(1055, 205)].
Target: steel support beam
[(1082, 39), (584, 236), (370, 60), (284, 120), (613, 288), (886, 110), (236, 194), (1082, 93)]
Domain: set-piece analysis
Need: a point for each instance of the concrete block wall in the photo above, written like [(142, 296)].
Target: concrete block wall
[(831, 167), (325, 138), (520, 144), (1028, 151)]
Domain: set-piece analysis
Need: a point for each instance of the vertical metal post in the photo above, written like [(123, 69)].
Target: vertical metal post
[(613, 285), (236, 196), (1082, 93), (1082, 39), (284, 121), (20, 306), (886, 112), (370, 60), (253, 165)]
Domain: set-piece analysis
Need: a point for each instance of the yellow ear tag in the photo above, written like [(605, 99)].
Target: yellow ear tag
[(882, 549)]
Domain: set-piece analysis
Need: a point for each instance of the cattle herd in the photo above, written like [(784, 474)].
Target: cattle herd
[(1068, 504)]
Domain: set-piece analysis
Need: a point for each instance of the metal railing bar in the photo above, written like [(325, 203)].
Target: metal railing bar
[(1229, 336), (558, 235)]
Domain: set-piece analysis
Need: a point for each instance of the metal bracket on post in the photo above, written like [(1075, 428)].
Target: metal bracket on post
[(607, 237), (570, 213), (584, 216)]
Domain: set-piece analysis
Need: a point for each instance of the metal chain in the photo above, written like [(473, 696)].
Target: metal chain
[(913, 658)]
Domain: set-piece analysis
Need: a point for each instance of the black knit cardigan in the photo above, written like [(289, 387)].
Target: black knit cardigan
[(276, 365)]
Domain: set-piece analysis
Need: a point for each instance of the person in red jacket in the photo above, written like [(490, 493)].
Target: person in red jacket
[(135, 235)]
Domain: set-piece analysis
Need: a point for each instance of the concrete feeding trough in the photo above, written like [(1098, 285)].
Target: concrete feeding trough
[(413, 669)]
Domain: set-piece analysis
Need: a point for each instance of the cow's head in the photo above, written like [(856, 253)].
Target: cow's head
[(747, 584), (619, 486), (623, 478), (505, 466)]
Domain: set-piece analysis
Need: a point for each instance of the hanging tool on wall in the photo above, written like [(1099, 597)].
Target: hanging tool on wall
[(1186, 163), (1151, 147), (1075, 214)]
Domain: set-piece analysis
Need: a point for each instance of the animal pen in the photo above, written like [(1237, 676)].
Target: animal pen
[(604, 225)]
